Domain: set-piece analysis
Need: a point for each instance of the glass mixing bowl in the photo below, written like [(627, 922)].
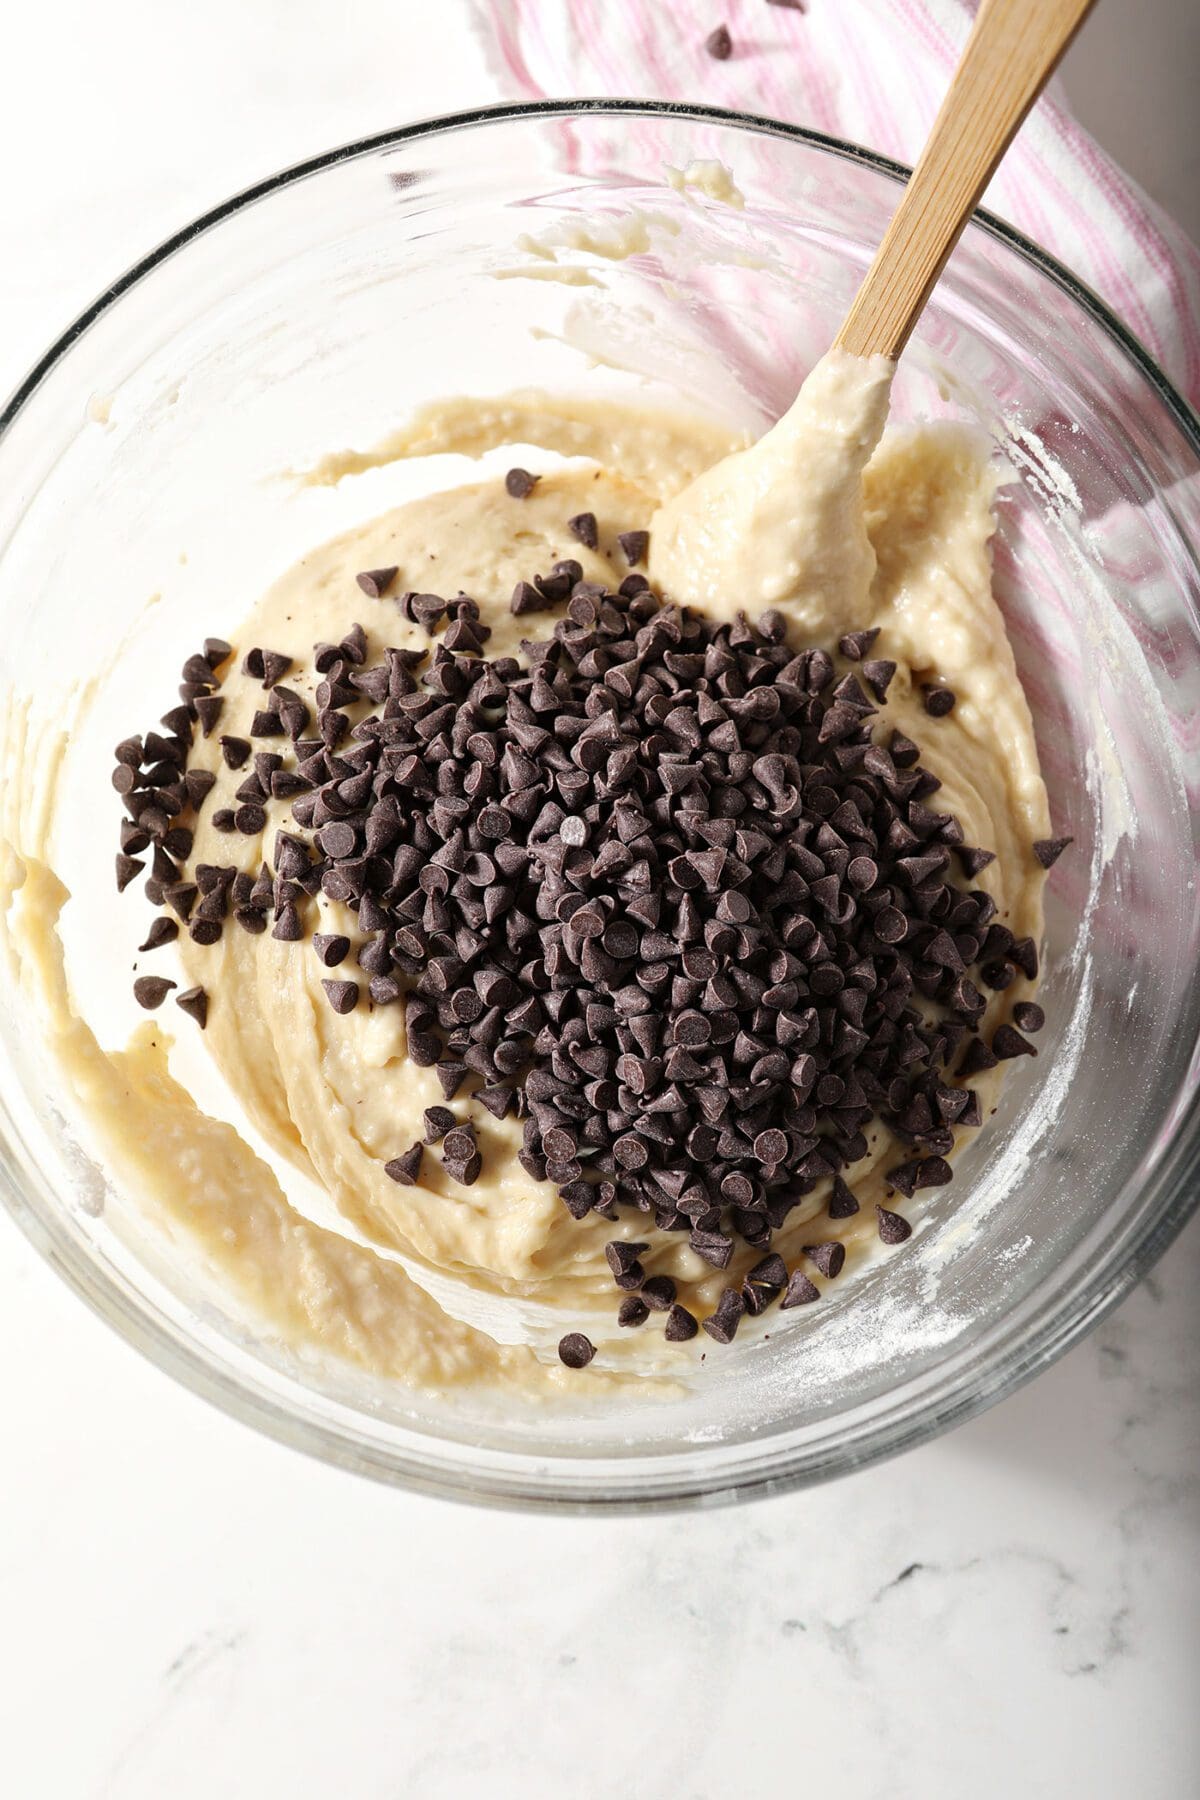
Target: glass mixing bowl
[(146, 456)]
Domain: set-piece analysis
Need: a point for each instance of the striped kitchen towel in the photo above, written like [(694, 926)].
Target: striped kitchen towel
[(872, 71)]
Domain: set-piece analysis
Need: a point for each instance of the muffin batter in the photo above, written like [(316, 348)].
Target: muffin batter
[(816, 520)]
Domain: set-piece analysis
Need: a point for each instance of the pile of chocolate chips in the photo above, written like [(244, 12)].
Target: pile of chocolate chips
[(655, 889)]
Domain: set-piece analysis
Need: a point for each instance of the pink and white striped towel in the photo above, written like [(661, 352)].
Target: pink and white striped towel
[(873, 71)]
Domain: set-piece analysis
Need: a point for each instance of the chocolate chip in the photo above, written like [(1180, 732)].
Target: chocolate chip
[(250, 819), (878, 674), (828, 1258), (194, 1002), (722, 1325), (151, 990), (653, 887), (528, 599), (938, 700), (1007, 1043), (342, 995), (236, 751), (575, 1350), (162, 931), (719, 44), (198, 784), (892, 1228), (973, 860), (209, 708), (438, 1121), (842, 1201), (1028, 1016), (520, 483), (622, 1256), (681, 1325), (1048, 850), (855, 644), (658, 1291), (976, 1058), (634, 545), (128, 869), (583, 526), (633, 1311), (800, 1291), (274, 666), (376, 582), (1023, 952), (405, 1169)]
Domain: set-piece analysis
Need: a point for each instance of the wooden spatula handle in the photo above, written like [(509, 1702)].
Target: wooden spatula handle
[(1013, 49)]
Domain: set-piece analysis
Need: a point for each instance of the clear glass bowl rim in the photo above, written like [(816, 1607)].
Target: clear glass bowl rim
[(1175, 1183)]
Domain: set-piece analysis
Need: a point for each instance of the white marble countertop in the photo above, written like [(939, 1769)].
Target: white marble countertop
[(191, 1611)]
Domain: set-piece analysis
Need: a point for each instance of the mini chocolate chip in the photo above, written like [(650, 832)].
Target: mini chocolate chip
[(658, 1291), (634, 545), (162, 931), (828, 1257), (1028, 1016), (438, 1121), (1048, 850), (406, 1168), (842, 1201), (520, 483), (680, 1327), (973, 860), (583, 526), (1007, 1043), (976, 1058), (575, 1350), (274, 666), (800, 1291), (621, 1255), (198, 783), (1023, 952), (151, 990), (633, 1311), (194, 1002), (209, 708), (878, 674), (892, 1228), (722, 1325), (342, 995), (938, 700), (719, 44), (331, 947), (128, 869), (376, 582)]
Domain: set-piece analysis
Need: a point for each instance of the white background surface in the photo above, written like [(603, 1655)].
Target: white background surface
[(188, 1611)]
